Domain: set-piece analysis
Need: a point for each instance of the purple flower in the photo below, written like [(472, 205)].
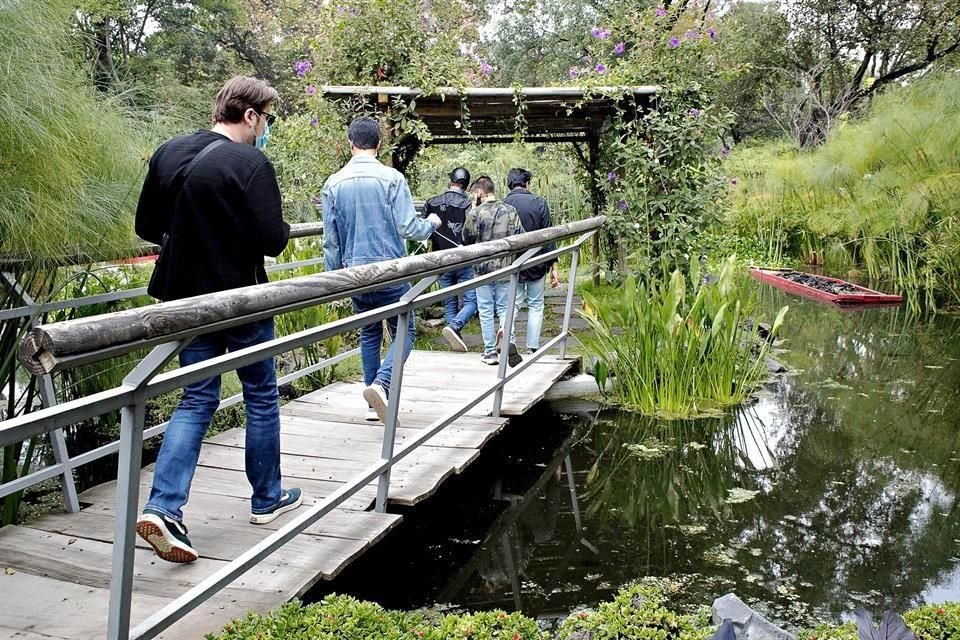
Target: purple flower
[(600, 68), (724, 152), (618, 49), (623, 205), (596, 32), (611, 176), (314, 122), (712, 34), (311, 90), (692, 34), (706, 279), (315, 200), (486, 69), (574, 73), (733, 181), (661, 11), (695, 113), (302, 67), (673, 42), (605, 34)]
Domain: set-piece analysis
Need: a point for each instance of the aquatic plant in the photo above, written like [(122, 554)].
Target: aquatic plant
[(679, 345)]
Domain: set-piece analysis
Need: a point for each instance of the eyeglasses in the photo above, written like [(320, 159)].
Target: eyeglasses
[(271, 117)]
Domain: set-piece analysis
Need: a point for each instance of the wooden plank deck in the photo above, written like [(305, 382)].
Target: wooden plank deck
[(61, 562)]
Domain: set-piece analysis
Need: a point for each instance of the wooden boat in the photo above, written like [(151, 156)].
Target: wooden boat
[(822, 288)]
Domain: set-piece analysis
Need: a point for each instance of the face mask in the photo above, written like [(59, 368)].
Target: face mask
[(265, 138)]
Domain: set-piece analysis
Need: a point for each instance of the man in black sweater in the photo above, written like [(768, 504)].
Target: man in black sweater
[(211, 201), (451, 207), (534, 214)]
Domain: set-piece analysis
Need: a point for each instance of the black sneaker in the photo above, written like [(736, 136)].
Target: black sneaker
[(290, 499), (454, 339), (513, 355), (167, 536)]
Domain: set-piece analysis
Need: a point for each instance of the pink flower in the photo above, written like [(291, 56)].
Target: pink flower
[(605, 34), (673, 42), (311, 90), (618, 49), (661, 11), (596, 32), (486, 69), (600, 68), (574, 73), (725, 152), (692, 34)]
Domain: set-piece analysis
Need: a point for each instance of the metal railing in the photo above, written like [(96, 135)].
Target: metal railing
[(64, 464), (146, 382)]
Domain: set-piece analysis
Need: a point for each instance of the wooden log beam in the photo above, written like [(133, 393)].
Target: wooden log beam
[(41, 348)]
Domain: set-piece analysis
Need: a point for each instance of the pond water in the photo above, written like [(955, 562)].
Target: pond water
[(837, 489)]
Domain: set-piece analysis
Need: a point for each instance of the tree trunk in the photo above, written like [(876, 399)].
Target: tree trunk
[(105, 73)]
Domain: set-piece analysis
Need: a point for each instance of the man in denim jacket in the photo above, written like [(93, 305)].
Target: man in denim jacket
[(368, 213)]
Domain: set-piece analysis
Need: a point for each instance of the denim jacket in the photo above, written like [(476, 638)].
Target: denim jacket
[(367, 214)]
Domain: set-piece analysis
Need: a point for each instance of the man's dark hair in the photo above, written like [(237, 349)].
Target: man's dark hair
[(239, 94), (518, 178), (364, 133), (460, 176), (484, 184)]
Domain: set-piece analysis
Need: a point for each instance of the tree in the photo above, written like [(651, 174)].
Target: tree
[(844, 51)]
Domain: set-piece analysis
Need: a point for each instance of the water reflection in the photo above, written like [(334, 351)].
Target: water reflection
[(837, 488)]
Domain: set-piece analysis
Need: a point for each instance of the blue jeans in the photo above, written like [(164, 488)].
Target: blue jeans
[(492, 300), (177, 461), (453, 315), (532, 294), (371, 335)]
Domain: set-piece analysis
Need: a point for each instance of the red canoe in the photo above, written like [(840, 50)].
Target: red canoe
[(822, 288)]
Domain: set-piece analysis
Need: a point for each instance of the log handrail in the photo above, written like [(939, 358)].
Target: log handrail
[(111, 334)]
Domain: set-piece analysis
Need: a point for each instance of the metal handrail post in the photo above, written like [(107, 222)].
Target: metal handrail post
[(396, 382), (48, 398), (58, 443), (568, 307), (508, 320), (128, 489)]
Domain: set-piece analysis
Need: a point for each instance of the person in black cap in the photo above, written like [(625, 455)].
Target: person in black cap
[(451, 207)]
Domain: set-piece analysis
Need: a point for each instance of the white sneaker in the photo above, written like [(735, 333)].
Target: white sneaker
[(454, 339), (376, 397), (371, 415)]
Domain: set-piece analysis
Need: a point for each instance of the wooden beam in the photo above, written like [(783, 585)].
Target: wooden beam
[(131, 328)]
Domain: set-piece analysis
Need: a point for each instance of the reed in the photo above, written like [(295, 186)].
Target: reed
[(678, 346), (881, 195)]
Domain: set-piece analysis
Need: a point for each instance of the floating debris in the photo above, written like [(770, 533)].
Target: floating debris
[(739, 494)]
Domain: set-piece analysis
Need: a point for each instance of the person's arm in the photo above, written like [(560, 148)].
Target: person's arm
[(405, 215), (332, 259), (153, 217), (470, 227), (263, 198)]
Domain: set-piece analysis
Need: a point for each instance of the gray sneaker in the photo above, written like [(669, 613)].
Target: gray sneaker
[(167, 536), (490, 357)]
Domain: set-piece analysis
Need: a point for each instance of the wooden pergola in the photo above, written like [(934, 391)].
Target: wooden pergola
[(491, 115)]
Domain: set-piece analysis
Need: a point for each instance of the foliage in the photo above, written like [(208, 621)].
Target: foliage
[(929, 622), (638, 612), (345, 618), (881, 194), (677, 347), (661, 173), (415, 43), (70, 163)]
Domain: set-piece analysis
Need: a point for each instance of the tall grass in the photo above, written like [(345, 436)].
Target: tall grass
[(70, 163), (882, 195), (678, 347)]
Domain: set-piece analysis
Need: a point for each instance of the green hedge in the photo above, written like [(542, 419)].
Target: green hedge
[(637, 612)]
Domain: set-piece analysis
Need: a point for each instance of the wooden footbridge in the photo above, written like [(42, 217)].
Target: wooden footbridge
[(84, 574)]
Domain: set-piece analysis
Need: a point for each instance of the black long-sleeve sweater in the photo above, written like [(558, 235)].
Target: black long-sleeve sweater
[(218, 224)]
